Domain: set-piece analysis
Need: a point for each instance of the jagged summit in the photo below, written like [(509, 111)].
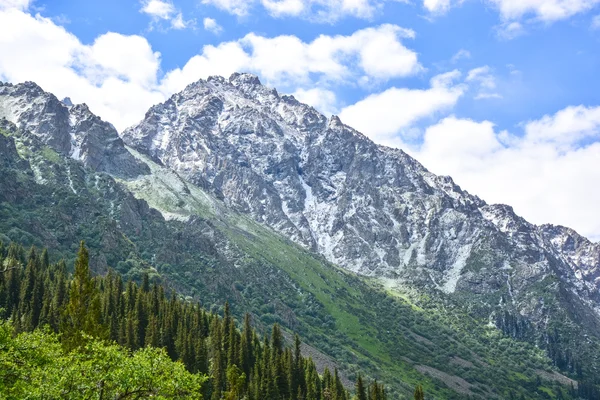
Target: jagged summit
[(368, 208), (70, 130), (244, 78)]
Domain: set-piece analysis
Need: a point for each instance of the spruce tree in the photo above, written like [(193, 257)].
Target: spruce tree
[(419, 395), (361, 392), (82, 314)]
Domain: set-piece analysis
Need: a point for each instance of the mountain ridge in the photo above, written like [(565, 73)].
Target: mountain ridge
[(263, 161), (310, 127)]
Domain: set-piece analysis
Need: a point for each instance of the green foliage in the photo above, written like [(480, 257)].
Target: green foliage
[(358, 326), (361, 391), (419, 395), (50, 155), (81, 315), (103, 337), (36, 366)]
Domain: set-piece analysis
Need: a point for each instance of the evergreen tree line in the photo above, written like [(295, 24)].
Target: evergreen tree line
[(36, 293), (517, 327)]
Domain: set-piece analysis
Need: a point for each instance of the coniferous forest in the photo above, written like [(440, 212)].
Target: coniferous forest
[(76, 336)]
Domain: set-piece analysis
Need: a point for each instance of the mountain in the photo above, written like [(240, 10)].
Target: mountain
[(370, 209), (229, 190), (70, 130)]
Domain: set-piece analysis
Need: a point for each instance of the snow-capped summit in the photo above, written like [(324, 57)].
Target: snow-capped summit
[(371, 209)]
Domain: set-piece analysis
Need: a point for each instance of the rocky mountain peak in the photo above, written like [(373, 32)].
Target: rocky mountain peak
[(241, 79), (70, 130), (335, 122), (368, 208), (583, 254)]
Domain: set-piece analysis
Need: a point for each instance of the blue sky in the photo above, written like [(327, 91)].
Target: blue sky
[(558, 61), (503, 95)]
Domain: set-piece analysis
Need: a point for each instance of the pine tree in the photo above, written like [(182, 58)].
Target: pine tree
[(143, 316), (236, 381), (419, 395), (246, 353), (82, 314), (298, 374), (361, 392), (218, 360), (376, 391)]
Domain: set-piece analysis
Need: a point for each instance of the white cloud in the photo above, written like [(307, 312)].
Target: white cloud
[(461, 54), (286, 61), (596, 22), (549, 174), (437, 6), (513, 12), (567, 128), (158, 9), (485, 81), (544, 10), (178, 22), (510, 30), (164, 10), (280, 8), (385, 115), (316, 10), (115, 75), (322, 99), (16, 4), (211, 25), (239, 8)]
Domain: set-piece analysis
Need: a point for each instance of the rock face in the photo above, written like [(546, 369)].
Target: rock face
[(368, 208), (319, 182), (69, 129), (581, 252)]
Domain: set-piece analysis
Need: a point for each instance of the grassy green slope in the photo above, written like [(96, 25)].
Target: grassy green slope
[(368, 325), (209, 252)]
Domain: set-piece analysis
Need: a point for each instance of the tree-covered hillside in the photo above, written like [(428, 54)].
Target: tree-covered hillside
[(74, 337), (209, 253)]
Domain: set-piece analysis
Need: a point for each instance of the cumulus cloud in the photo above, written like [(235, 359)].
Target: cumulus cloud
[(509, 30), (280, 8), (566, 129), (236, 7), (15, 4), (544, 10), (514, 12), (286, 61), (460, 55), (322, 99), (384, 116), (115, 75), (437, 6), (211, 25), (164, 10), (485, 81), (158, 9), (548, 172), (316, 10), (118, 75)]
